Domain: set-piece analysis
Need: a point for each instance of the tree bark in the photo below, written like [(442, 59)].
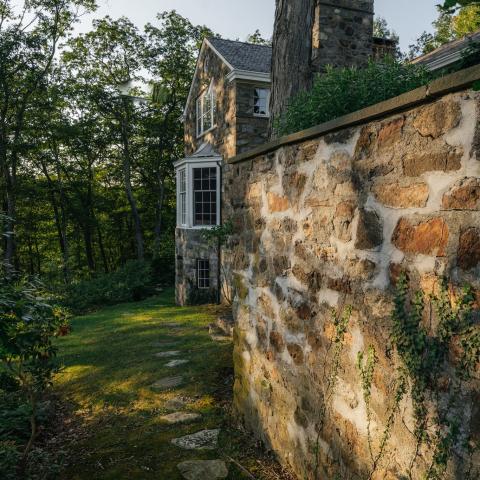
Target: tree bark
[(292, 70), (127, 176)]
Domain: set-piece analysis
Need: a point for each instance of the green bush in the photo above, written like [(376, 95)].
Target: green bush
[(9, 459), (28, 325), (340, 91), (133, 282)]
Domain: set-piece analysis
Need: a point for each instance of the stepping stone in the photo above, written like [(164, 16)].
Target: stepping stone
[(204, 440), (172, 353), (180, 417), (167, 383), (176, 363), (203, 469), (172, 325), (176, 403), (220, 338)]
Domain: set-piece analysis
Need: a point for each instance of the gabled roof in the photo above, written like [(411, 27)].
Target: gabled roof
[(449, 53), (243, 56), (245, 60)]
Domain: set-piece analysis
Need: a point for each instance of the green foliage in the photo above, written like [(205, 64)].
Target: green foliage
[(28, 325), (9, 459), (424, 355), (340, 91), (132, 282), (451, 24), (452, 5), (219, 234), (340, 323)]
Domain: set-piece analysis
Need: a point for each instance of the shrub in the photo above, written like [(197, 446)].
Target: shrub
[(9, 459), (132, 282), (340, 91), (28, 325)]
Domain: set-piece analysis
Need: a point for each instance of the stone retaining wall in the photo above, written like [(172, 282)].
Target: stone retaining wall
[(330, 222)]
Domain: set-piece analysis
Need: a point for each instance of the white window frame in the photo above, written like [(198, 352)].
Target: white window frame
[(202, 280), (182, 201), (269, 92), (201, 114), (188, 165)]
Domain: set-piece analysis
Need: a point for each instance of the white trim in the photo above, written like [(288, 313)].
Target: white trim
[(248, 75), (188, 164), (443, 61), (233, 75)]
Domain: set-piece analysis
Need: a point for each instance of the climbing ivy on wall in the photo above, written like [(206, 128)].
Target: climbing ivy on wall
[(425, 367)]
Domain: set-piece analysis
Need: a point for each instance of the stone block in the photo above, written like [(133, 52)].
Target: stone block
[(277, 203), (444, 159), (464, 195), (438, 118), (469, 248), (396, 195), (426, 238), (369, 231)]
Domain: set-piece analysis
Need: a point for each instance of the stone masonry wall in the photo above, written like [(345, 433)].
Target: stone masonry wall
[(331, 222), (343, 33), (251, 130), (223, 136), (190, 246)]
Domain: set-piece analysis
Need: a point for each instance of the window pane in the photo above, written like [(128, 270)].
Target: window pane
[(203, 274), (205, 196), (261, 101)]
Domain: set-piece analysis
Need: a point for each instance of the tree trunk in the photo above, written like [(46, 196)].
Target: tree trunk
[(158, 223), (127, 176), (292, 70)]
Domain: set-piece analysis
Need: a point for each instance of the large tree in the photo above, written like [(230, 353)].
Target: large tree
[(292, 70), (30, 32)]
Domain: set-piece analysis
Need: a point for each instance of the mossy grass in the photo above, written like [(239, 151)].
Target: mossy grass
[(109, 366)]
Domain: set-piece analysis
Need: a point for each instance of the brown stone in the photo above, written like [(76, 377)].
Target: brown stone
[(427, 238), (277, 203), (469, 249), (340, 284), (464, 195), (398, 196), (390, 133), (394, 272), (437, 119), (365, 143), (296, 352), (369, 230), (304, 311), (445, 160), (276, 341)]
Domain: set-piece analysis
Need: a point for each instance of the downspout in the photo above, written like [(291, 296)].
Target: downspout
[(219, 244)]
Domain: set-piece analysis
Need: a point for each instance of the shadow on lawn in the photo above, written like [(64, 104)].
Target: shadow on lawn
[(109, 365)]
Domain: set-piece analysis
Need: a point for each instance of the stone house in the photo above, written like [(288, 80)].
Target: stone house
[(326, 220), (227, 114)]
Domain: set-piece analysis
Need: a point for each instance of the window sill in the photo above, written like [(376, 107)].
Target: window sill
[(202, 227), (259, 115), (206, 132)]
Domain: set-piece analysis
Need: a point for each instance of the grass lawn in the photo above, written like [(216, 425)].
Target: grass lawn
[(110, 364)]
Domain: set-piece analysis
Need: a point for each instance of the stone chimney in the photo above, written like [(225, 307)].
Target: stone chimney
[(343, 33)]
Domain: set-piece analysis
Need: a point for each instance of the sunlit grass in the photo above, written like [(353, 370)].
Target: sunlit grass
[(109, 365)]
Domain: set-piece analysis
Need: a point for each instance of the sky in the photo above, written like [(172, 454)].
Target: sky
[(237, 19)]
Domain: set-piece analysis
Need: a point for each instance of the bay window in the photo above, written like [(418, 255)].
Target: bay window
[(198, 193)]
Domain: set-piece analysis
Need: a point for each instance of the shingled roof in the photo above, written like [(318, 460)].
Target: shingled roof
[(449, 53), (244, 56)]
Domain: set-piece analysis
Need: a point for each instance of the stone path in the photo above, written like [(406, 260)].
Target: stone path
[(176, 363), (167, 383), (199, 441), (203, 440), (172, 353), (180, 417)]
